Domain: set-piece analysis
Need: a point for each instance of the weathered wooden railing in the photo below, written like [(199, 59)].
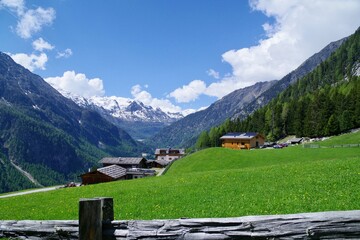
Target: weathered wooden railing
[(96, 222)]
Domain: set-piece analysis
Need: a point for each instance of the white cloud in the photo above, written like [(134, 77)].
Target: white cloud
[(77, 83), (145, 97), (190, 92), (300, 29), (41, 45), (30, 21), (32, 61), (213, 73), (33, 20), (17, 6), (65, 54)]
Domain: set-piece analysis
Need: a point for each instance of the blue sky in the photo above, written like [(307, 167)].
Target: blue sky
[(172, 54)]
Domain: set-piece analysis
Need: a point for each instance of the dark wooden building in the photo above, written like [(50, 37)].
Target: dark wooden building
[(104, 174)]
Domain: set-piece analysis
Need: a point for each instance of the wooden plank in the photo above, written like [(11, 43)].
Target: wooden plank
[(90, 219)]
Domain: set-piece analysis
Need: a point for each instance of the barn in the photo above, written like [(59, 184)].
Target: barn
[(104, 174), (242, 140)]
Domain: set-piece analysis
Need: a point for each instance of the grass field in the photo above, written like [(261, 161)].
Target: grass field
[(218, 183)]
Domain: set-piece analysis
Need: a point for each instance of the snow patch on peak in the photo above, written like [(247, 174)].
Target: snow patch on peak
[(124, 108)]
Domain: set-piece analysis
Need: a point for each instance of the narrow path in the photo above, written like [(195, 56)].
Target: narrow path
[(30, 191), (26, 174)]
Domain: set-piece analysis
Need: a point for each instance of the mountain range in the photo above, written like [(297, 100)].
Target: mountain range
[(238, 104), (139, 120)]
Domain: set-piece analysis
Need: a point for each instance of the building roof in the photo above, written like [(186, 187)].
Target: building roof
[(122, 160), (167, 151), (240, 135), (162, 162), (113, 171), (295, 140)]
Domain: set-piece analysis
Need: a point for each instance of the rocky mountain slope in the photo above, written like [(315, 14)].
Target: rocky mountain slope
[(48, 135), (139, 120), (306, 67), (237, 104)]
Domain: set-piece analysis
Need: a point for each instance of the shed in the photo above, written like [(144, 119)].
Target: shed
[(104, 174), (125, 162), (242, 140), (295, 140)]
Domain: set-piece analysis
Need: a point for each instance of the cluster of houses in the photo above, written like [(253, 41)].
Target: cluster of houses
[(123, 168)]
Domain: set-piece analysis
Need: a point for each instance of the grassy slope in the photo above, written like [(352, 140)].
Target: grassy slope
[(348, 138), (218, 183)]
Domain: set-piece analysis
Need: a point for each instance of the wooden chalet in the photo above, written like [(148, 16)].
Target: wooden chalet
[(104, 174), (242, 140), (125, 162), (168, 154)]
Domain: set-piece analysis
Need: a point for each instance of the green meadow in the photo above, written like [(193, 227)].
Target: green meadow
[(219, 182)]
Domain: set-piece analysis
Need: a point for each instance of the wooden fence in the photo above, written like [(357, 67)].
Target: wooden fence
[(96, 222)]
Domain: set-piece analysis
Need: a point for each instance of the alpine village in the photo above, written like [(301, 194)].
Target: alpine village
[(286, 146)]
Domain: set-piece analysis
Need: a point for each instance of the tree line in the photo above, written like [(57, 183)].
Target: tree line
[(325, 102)]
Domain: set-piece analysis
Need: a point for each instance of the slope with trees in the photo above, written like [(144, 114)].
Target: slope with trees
[(323, 103)]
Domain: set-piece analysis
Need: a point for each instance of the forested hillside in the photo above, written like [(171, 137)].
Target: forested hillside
[(48, 135), (238, 104), (324, 102)]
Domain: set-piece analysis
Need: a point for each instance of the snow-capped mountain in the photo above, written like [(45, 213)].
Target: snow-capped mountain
[(124, 109), (139, 120)]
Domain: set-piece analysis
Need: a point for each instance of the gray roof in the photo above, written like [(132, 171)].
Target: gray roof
[(240, 135), (296, 140), (113, 171), (121, 160)]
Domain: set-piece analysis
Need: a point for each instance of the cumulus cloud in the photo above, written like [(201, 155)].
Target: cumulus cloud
[(145, 97), (190, 92), (16, 6), (299, 29), (65, 54), (30, 61), (77, 83), (213, 73), (33, 20), (41, 45), (30, 21)]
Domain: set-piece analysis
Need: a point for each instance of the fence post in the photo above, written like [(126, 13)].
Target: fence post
[(93, 214)]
